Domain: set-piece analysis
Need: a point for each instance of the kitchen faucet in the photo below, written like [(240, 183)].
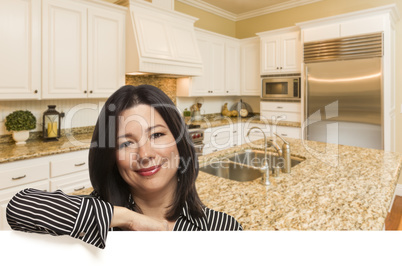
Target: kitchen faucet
[(264, 168), (284, 153)]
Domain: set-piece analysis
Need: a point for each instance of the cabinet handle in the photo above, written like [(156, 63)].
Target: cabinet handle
[(281, 68), (285, 135), (85, 91), (277, 68), (81, 188), (36, 91), (214, 150), (90, 91), (279, 107), (216, 135), (234, 131), (80, 164), (18, 178)]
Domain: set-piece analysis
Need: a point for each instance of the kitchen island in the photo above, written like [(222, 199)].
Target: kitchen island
[(334, 188)]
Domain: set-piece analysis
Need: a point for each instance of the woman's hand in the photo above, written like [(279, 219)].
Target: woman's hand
[(132, 221)]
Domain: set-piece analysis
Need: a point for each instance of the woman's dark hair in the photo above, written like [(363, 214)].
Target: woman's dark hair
[(105, 177)]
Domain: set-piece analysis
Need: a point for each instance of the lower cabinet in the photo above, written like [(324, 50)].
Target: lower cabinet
[(67, 172), (231, 135), (220, 138)]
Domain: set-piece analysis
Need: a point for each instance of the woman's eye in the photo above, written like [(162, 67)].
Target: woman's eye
[(125, 144), (157, 135)]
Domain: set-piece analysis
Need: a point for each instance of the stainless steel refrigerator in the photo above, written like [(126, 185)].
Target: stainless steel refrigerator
[(343, 91)]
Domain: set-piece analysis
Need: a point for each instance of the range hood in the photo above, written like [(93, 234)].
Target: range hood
[(161, 41)]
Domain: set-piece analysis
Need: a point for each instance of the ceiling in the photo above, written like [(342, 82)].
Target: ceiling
[(244, 9)]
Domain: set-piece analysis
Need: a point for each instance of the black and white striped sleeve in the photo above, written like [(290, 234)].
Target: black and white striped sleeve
[(56, 213)]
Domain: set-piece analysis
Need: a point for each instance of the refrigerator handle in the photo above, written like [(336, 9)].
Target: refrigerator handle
[(305, 96)]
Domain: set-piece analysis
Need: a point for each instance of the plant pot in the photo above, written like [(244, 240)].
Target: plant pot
[(20, 137)]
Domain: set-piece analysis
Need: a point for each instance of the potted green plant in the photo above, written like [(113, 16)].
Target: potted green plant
[(20, 122)]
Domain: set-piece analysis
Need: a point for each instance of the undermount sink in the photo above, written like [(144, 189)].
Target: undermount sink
[(255, 158), (243, 166), (231, 170)]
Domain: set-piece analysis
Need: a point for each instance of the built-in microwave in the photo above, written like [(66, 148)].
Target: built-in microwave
[(281, 87)]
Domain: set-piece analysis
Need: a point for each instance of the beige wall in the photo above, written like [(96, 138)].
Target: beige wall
[(208, 21)]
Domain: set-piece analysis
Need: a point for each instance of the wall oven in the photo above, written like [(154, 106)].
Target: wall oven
[(281, 86)]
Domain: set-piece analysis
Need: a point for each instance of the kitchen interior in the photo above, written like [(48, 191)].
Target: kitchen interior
[(312, 82)]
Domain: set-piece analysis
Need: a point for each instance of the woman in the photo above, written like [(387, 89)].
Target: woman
[(143, 169)]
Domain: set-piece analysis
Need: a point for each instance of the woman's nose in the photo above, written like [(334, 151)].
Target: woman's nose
[(145, 151)]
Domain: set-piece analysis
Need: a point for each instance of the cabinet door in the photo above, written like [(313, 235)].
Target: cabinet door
[(290, 52), (64, 47), (217, 67), (232, 68), (106, 50), (250, 65), (270, 53), (20, 67), (200, 84)]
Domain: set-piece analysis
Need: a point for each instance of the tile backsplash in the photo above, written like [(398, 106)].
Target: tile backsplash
[(79, 112)]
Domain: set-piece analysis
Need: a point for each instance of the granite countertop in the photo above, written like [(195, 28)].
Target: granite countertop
[(38, 148), (218, 120), (347, 188)]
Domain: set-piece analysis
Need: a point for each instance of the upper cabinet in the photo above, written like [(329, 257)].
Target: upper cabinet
[(61, 49), (342, 28), (20, 49), (221, 63), (82, 50), (280, 51), (250, 81)]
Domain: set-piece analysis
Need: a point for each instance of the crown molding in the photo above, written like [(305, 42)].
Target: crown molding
[(247, 15)]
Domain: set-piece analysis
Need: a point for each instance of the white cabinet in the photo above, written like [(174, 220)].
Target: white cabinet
[(284, 111), (82, 49), (220, 138), (221, 60), (67, 172), (344, 28), (232, 67), (20, 49), (106, 52), (250, 81), (280, 51), (213, 57)]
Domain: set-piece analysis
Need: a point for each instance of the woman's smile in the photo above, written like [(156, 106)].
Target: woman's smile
[(146, 172)]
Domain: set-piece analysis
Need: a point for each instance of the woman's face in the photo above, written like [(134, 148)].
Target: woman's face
[(147, 154)]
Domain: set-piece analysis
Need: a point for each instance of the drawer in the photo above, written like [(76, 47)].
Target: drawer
[(12, 176), (280, 106), (289, 132), (7, 194), (71, 183), (286, 116), (69, 165)]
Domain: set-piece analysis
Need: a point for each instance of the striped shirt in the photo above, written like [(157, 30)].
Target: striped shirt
[(88, 218)]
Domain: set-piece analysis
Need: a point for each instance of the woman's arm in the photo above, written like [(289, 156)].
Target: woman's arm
[(129, 220), (56, 213)]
